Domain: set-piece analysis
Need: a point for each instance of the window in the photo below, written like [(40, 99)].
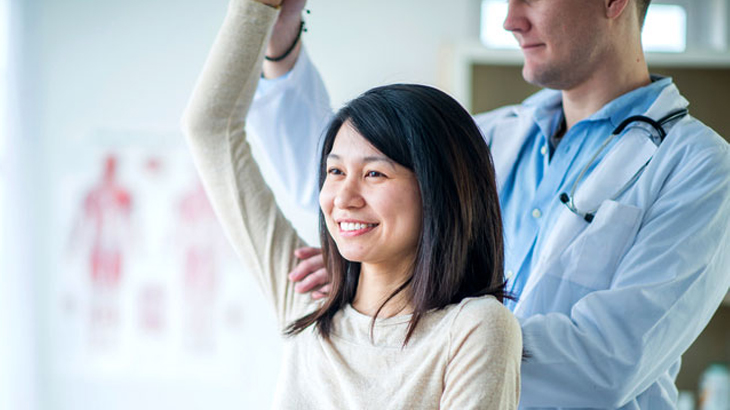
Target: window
[(4, 45), (5, 329), (493, 35), (665, 29)]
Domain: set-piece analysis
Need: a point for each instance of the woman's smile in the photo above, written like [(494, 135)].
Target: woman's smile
[(352, 228), (371, 204)]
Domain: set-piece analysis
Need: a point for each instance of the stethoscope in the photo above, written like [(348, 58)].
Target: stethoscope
[(568, 200)]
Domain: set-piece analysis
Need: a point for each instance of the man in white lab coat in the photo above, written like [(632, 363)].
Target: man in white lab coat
[(618, 246)]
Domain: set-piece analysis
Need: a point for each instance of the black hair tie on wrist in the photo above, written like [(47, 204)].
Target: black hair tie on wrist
[(291, 47)]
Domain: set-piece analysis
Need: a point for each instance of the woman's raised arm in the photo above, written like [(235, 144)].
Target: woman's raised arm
[(214, 126)]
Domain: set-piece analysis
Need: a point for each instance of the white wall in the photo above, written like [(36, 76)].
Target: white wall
[(358, 45), (99, 70)]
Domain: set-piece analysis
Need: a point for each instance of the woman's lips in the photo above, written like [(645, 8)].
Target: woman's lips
[(349, 229)]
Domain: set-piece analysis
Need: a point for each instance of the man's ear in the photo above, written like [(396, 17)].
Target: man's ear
[(615, 8)]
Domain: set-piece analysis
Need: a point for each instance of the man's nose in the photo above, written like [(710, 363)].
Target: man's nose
[(515, 20)]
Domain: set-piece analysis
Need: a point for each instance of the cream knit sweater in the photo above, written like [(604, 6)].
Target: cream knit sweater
[(466, 356)]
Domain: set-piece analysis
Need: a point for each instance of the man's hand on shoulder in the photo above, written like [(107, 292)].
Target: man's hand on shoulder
[(310, 274)]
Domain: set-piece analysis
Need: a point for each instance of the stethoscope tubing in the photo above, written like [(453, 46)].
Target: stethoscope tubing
[(569, 199)]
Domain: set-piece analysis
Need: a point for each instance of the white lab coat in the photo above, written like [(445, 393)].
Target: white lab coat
[(609, 307)]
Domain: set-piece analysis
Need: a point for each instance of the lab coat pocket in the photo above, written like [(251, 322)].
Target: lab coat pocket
[(592, 257)]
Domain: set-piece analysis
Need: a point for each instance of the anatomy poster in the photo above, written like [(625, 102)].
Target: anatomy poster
[(101, 232), (145, 282)]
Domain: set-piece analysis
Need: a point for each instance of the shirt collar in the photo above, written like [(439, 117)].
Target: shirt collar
[(546, 105), (547, 110), (635, 102)]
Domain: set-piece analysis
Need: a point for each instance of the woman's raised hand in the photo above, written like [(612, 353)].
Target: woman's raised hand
[(272, 3)]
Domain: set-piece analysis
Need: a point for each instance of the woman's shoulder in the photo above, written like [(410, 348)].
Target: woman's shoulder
[(485, 319), (488, 307)]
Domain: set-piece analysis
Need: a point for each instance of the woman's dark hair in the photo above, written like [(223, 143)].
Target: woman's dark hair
[(460, 249)]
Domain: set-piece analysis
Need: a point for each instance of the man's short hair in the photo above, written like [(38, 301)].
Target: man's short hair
[(643, 6)]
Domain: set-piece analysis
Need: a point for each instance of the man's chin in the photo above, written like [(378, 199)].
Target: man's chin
[(543, 78)]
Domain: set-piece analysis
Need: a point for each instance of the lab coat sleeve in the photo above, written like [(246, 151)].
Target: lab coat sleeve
[(286, 121), (488, 122), (616, 342)]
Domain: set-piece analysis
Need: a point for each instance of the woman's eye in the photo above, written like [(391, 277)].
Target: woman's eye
[(374, 174), (334, 171)]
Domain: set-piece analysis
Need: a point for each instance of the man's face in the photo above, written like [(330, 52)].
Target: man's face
[(563, 41)]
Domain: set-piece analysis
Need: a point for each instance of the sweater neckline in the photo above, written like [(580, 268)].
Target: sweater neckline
[(364, 319)]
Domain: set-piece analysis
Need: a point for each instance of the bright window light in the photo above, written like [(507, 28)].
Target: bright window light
[(3, 76), (493, 35), (665, 29), (3, 110)]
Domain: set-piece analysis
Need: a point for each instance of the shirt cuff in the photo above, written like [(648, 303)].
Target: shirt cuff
[(268, 85)]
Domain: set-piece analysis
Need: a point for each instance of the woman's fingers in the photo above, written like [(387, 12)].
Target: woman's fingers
[(272, 3)]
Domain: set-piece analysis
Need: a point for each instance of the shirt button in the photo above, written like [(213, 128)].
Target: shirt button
[(536, 213), (509, 274), (543, 150)]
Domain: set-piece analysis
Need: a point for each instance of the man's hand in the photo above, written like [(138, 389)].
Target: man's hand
[(285, 32), (310, 273)]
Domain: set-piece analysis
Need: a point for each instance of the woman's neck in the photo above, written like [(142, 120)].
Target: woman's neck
[(377, 282)]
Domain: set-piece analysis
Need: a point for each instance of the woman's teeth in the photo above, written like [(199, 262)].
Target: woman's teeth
[(353, 226)]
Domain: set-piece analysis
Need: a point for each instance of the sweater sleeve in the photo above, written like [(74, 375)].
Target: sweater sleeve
[(214, 126), (485, 352)]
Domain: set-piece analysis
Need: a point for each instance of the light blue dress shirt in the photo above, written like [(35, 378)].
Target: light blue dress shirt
[(530, 199)]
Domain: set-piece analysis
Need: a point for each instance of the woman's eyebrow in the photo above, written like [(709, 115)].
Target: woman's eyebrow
[(368, 159)]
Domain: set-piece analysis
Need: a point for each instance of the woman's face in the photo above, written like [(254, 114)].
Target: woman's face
[(371, 204)]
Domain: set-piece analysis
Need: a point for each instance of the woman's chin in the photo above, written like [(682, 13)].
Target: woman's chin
[(352, 255)]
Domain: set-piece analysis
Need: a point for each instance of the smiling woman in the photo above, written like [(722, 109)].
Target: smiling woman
[(401, 208), (371, 205), (412, 240)]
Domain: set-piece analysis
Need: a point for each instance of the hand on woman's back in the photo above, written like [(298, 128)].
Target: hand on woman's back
[(310, 274)]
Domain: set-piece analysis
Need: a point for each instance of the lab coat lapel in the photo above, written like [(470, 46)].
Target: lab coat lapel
[(631, 152), (517, 128), (629, 155)]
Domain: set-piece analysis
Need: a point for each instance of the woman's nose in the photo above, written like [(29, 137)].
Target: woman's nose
[(349, 196)]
